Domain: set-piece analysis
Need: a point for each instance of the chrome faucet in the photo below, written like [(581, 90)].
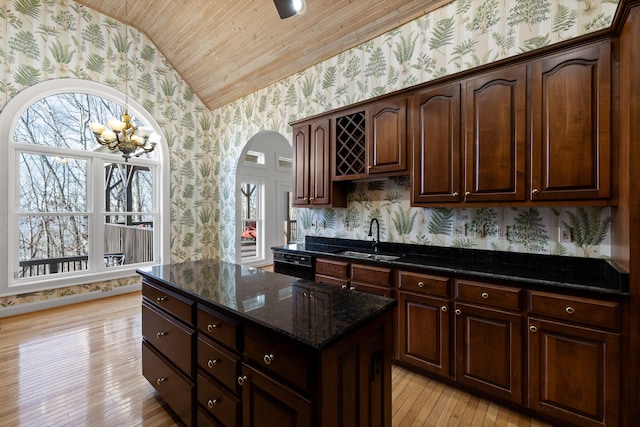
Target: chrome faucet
[(376, 241)]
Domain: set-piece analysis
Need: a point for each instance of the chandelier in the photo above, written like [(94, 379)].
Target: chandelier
[(123, 135)]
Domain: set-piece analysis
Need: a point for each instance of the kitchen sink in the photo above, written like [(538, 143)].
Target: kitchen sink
[(366, 255)]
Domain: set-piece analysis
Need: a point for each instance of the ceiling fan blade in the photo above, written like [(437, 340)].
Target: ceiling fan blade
[(285, 8)]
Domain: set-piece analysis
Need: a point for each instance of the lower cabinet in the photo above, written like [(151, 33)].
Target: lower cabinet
[(557, 355), (488, 350), (267, 402)]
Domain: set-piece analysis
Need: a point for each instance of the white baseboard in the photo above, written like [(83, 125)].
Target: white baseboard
[(71, 299)]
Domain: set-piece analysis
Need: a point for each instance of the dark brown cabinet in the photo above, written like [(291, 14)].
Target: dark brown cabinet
[(424, 322), (574, 369), (371, 141), (496, 135), (437, 155), (367, 278), (387, 136), (571, 148), (470, 140), (312, 184)]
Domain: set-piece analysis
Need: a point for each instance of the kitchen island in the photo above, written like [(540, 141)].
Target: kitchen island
[(230, 345)]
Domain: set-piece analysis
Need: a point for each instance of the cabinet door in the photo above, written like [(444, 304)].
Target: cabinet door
[(571, 154), (496, 136), (319, 162), (387, 136), (488, 349), (424, 332), (574, 373), (435, 117), (301, 174), (266, 402)]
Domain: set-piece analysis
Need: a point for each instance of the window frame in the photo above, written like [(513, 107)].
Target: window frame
[(9, 167)]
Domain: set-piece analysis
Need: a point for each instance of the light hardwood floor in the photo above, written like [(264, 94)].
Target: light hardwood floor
[(79, 365)]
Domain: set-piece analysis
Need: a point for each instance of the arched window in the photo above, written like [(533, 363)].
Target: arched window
[(76, 212)]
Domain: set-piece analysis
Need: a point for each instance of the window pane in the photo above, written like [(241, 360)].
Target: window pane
[(129, 188), (52, 184), (62, 120), (128, 244), (50, 244)]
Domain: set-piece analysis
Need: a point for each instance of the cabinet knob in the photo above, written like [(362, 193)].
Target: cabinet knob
[(160, 380), (212, 326), (570, 310), (160, 334), (535, 192), (212, 362), (421, 284), (467, 193), (458, 312), (242, 380), (369, 167), (312, 198), (455, 194), (344, 286), (268, 358), (533, 328), (351, 288), (213, 402), (444, 308), (484, 295), (161, 299)]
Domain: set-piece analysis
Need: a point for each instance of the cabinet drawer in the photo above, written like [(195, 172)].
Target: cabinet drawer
[(206, 420), (424, 284), (177, 305), (343, 283), (224, 406), (221, 364), (490, 295), (591, 312), (379, 276), (337, 269), (170, 337), (218, 327), (275, 354), (175, 388), (383, 291)]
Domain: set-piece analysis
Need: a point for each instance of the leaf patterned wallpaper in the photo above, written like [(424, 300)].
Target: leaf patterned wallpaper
[(51, 39)]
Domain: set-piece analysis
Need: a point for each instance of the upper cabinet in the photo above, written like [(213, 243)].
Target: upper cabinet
[(490, 166), (571, 148), (371, 141), (436, 145), (312, 185), (495, 143)]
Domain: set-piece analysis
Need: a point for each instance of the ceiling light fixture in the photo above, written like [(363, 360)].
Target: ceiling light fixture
[(123, 135), (288, 8)]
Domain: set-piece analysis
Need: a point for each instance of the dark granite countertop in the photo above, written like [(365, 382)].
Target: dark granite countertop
[(587, 276), (278, 302)]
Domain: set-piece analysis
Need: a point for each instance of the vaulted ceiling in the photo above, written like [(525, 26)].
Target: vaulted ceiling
[(226, 49)]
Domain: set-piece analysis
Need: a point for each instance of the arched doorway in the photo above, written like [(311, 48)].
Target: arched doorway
[(263, 189)]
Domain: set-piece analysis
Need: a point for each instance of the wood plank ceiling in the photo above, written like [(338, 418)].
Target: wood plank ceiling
[(226, 49)]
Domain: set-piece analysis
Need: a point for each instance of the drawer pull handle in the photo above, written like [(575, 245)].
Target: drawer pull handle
[(467, 193), (455, 194), (161, 299), (533, 328), (421, 284), (570, 310), (484, 295), (268, 358), (535, 191), (212, 326), (160, 380), (160, 334), (213, 402), (242, 380), (458, 312), (344, 286), (212, 362), (351, 288), (444, 308)]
